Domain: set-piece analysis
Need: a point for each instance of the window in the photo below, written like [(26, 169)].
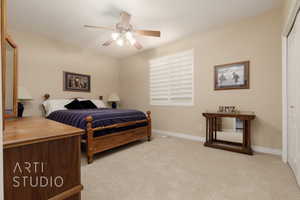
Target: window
[(171, 79)]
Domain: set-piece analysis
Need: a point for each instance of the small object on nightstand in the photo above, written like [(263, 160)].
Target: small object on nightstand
[(114, 98), (23, 96)]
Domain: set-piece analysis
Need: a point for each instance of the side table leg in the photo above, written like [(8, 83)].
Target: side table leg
[(249, 137), (245, 131), (206, 120), (215, 128), (210, 130)]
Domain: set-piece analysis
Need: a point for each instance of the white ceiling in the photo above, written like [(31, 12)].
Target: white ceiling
[(64, 19)]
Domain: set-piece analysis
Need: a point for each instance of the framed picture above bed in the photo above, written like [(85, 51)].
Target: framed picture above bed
[(232, 76), (76, 82)]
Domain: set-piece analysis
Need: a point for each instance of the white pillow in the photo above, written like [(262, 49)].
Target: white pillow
[(55, 104), (59, 104), (97, 102)]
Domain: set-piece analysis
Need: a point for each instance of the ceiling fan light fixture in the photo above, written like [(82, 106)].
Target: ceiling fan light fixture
[(129, 35), (124, 34), (120, 42), (115, 35), (132, 41)]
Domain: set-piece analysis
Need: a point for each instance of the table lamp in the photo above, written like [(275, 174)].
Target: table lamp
[(114, 98)]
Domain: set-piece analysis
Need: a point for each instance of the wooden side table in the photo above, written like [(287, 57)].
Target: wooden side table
[(212, 128)]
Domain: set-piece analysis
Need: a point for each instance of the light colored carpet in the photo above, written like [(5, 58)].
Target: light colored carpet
[(178, 169)]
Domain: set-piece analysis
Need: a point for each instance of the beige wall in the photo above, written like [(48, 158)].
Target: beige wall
[(256, 39), (228, 123), (42, 62)]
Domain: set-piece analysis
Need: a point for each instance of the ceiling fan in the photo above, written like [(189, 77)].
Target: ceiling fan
[(123, 32)]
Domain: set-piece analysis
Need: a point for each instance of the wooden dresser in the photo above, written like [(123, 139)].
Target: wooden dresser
[(41, 160)]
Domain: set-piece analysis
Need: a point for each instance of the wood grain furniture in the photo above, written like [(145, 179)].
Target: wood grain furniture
[(96, 144), (41, 160), (211, 132), (3, 15), (101, 143)]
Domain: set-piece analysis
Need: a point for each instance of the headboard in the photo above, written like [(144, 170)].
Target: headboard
[(47, 96)]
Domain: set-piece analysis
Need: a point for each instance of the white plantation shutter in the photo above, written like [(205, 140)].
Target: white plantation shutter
[(171, 79)]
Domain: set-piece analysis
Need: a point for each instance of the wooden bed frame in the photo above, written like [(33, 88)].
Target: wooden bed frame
[(102, 143)]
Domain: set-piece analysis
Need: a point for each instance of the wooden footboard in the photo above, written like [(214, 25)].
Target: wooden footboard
[(101, 143)]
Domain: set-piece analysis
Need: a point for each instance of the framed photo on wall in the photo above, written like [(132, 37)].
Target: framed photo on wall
[(76, 82), (232, 76)]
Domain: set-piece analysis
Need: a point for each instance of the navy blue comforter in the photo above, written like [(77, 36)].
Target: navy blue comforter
[(101, 117)]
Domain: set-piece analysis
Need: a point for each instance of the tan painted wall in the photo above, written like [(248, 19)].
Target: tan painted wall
[(42, 62), (228, 123), (256, 39)]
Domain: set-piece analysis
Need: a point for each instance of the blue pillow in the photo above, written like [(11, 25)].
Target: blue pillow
[(87, 104)]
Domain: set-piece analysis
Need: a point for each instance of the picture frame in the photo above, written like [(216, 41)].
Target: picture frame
[(232, 76), (76, 82)]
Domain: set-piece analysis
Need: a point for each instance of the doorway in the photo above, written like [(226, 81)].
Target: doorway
[(293, 98)]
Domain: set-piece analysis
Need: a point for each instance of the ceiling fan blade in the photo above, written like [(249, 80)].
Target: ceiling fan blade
[(125, 18), (100, 27), (138, 45), (148, 33), (107, 43)]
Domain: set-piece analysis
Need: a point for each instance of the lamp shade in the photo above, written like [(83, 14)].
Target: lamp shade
[(23, 94), (113, 98)]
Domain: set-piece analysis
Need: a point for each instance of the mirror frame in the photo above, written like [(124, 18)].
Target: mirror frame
[(9, 40), (3, 54)]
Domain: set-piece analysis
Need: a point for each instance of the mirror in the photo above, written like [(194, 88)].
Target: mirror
[(10, 74), (230, 129)]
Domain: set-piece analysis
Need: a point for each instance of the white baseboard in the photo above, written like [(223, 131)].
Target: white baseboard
[(267, 150), (258, 149), (179, 135)]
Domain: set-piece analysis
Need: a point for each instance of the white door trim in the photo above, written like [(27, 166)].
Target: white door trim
[(3, 5), (287, 28), (284, 101)]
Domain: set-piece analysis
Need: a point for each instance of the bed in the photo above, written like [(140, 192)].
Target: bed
[(105, 128)]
